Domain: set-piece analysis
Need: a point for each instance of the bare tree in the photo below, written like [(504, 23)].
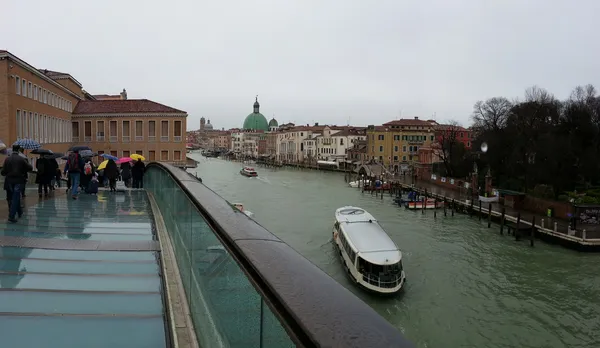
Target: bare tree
[(491, 114), (446, 144)]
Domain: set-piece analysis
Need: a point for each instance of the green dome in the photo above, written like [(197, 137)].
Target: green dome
[(256, 121), (273, 123)]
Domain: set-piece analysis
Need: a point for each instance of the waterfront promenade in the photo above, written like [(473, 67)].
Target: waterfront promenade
[(82, 273), (556, 229)]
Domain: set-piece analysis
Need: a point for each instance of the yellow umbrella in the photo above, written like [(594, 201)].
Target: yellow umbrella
[(136, 157), (102, 165)]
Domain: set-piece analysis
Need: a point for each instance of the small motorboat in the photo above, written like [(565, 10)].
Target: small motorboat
[(240, 207), (248, 171), (430, 203)]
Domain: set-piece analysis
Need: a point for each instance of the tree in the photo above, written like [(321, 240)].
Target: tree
[(449, 149)]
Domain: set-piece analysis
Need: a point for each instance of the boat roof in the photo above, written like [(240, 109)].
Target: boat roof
[(365, 234), (249, 168)]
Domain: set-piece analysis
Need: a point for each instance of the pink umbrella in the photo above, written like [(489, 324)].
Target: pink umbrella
[(124, 159)]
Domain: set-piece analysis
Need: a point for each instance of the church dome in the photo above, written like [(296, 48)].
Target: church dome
[(273, 123), (256, 120), (208, 126)]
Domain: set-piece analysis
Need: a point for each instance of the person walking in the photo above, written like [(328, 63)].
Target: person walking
[(137, 173), (74, 167), (126, 173), (15, 170), (111, 172), (43, 176)]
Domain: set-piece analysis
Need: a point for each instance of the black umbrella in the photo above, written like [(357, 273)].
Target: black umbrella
[(80, 148), (55, 155), (41, 152)]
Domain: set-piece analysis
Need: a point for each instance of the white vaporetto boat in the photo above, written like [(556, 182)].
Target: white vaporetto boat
[(370, 256)]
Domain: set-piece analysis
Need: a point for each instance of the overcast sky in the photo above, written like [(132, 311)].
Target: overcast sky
[(326, 61)]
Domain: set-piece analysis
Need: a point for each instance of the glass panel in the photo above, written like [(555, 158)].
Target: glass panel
[(226, 309)]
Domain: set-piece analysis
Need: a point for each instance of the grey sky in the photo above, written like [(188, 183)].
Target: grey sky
[(311, 61)]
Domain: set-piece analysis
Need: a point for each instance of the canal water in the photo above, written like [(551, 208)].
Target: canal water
[(468, 286)]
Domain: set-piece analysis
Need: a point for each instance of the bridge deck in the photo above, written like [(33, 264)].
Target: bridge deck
[(81, 273)]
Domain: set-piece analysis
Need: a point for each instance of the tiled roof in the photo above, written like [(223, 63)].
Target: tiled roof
[(408, 122), (451, 127), (130, 106), (107, 95)]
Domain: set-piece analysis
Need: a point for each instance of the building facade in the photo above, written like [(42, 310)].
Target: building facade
[(125, 127), (36, 104), (396, 144)]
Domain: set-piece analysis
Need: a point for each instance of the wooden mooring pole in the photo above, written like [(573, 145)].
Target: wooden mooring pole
[(480, 212), (423, 204), (445, 203), (435, 207), (452, 207), (490, 215), (502, 221), (532, 234), (517, 229)]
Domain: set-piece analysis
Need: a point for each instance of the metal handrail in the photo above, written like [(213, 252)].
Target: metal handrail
[(314, 309)]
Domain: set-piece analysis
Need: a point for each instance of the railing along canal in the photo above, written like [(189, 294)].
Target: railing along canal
[(247, 288)]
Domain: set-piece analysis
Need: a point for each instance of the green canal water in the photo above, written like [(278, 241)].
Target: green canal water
[(468, 286)]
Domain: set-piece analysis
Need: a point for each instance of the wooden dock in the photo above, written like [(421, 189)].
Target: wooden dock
[(520, 224)]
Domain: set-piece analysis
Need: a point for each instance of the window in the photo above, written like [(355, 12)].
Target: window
[(18, 85), (404, 148), (396, 148), (380, 148), (40, 92), (24, 89), (164, 155), (35, 92), (114, 153), (87, 131), (151, 130), (31, 125), (164, 131), (380, 137), (19, 125), (36, 126), (468, 144), (100, 130), (395, 158), (177, 155), (75, 131), (45, 129), (30, 92), (126, 131), (341, 141), (139, 130), (112, 131), (177, 130), (126, 153), (152, 154), (431, 138), (404, 158)]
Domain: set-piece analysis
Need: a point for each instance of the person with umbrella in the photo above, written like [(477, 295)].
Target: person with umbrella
[(15, 168), (111, 172), (126, 173), (138, 172), (45, 171)]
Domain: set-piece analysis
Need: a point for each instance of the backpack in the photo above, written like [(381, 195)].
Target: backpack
[(87, 169), (73, 162)]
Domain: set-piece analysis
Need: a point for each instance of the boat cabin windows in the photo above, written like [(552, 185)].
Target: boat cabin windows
[(351, 253), (385, 276)]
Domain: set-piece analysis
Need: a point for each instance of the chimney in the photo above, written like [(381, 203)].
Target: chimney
[(416, 117), (124, 94), (316, 124)]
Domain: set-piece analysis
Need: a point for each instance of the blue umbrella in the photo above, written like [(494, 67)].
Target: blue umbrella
[(27, 144), (109, 157)]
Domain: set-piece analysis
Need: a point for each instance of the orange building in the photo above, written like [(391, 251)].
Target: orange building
[(49, 106), (125, 127)]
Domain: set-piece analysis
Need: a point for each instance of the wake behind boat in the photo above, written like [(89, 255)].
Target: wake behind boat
[(370, 256), (248, 171)]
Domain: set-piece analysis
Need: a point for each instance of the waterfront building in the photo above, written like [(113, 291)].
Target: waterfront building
[(53, 109), (36, 103), (125, 127), (396, 144), (333, 144)]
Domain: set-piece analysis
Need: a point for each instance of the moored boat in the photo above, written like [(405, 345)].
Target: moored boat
[(241, 208), (430, 203), (370, 257), (248, 171)]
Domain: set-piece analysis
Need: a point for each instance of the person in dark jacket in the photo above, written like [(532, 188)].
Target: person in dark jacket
[(53, 167), (111, 172), (43, 176), (15, 170), (126, 173), (137, 173)]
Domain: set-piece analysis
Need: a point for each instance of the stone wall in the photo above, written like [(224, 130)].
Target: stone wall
[(541, 205)]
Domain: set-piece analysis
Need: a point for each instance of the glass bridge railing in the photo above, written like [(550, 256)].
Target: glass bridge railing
[(245, 287)]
